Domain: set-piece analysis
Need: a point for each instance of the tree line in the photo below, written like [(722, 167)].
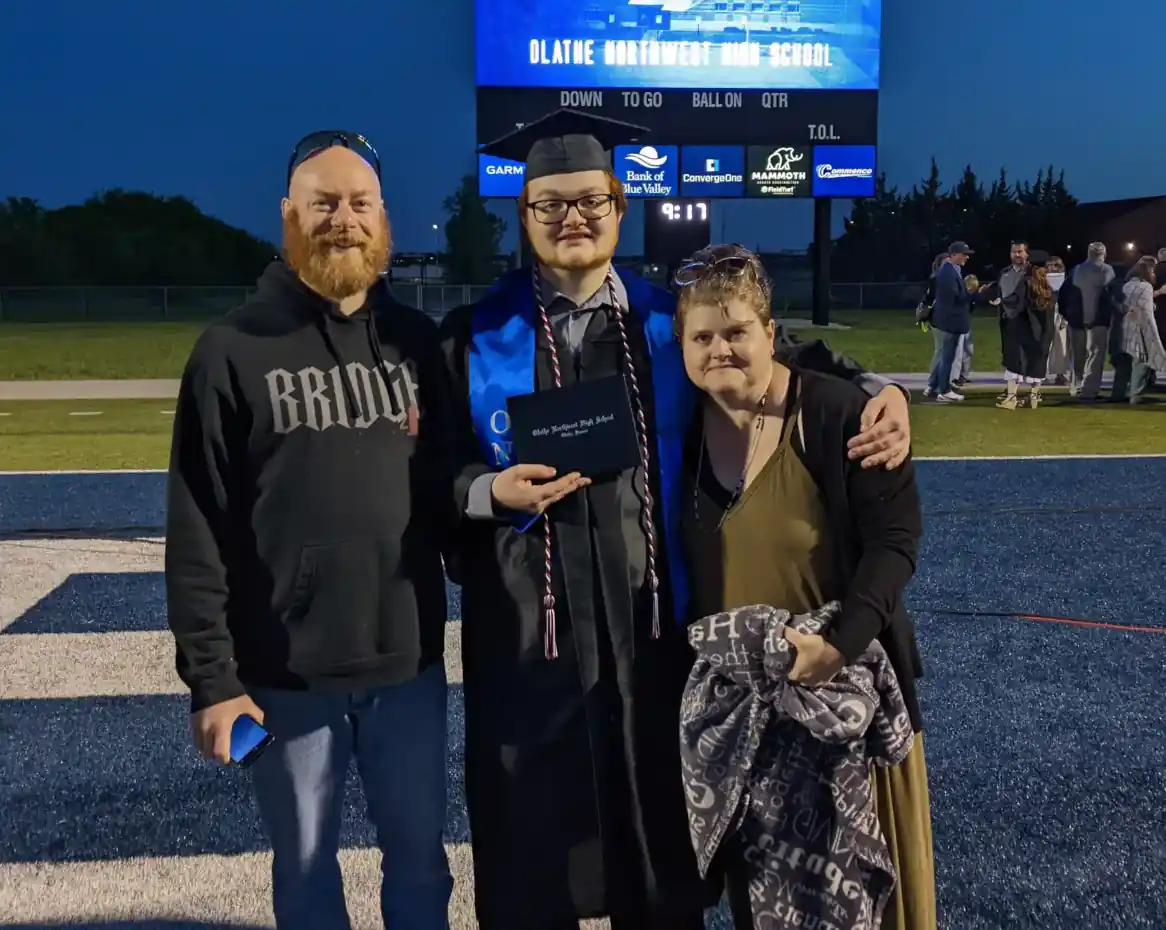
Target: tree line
[(124, 238), (136, 239), (132, 238), (895, 235)]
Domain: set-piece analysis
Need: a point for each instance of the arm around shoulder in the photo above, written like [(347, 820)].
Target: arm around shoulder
[(887, 518), (817, 356)]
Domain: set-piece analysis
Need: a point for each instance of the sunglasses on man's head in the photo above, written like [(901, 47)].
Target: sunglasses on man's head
[(315, 142), (730, 260)]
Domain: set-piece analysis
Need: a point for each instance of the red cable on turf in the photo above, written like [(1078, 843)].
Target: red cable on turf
[(1040, 618), (1094, 624)]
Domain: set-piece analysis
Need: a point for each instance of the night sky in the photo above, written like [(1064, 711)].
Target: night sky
[(205, 98)]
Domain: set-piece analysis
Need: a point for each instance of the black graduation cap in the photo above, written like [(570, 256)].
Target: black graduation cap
[(564, 142)]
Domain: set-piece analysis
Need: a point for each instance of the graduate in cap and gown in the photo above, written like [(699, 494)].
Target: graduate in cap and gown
[(574, 591)]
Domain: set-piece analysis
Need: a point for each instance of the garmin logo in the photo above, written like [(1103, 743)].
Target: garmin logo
[(505, 169), (829, 172)]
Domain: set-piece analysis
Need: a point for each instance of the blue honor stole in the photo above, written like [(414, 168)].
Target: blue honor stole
[(502, 365)]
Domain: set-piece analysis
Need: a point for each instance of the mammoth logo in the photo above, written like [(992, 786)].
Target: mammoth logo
[(782, 159)]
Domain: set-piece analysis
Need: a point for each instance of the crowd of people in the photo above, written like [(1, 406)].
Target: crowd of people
[(335, 453), (1056, 326)]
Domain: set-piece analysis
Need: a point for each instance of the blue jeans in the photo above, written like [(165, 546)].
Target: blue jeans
[(941, 361), (962, 366), (398, 738)]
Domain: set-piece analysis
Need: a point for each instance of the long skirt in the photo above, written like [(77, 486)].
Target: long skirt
[(904, 807)]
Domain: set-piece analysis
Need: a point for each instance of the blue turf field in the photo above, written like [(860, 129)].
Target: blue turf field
[(1046, 742)]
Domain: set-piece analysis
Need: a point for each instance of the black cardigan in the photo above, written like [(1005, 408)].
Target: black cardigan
[(877, 524)]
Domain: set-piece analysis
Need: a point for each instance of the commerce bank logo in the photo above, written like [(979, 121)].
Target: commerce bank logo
[(649, 170), (500, 177), (829, 171), (844, 170)]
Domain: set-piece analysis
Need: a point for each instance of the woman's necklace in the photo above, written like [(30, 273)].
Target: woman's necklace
[(754, 442)]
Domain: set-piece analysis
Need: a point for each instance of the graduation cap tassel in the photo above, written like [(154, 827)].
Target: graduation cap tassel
[(645, 455), (550, 637)]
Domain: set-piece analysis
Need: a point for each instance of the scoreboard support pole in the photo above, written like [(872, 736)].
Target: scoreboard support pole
[(823, 215)]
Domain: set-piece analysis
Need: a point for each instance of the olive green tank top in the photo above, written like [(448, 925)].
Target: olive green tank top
[(775, 546)]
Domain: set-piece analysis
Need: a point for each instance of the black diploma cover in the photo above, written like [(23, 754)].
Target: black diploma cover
[(586, 427)]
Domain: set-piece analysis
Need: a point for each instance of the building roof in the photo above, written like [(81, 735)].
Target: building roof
[(1103, 211)]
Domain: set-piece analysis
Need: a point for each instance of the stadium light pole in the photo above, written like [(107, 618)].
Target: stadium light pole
[(823, 214)]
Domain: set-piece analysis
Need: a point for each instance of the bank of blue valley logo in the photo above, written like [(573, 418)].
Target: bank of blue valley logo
[(649, 171), (648, 157)]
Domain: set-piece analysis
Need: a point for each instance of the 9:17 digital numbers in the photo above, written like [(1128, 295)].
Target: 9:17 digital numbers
[(686, 212)]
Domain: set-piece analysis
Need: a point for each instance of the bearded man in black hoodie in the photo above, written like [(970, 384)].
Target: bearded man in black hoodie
[(307, 513)]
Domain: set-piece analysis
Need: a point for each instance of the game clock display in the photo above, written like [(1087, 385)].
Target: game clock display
[(675, 228), (684, 211)]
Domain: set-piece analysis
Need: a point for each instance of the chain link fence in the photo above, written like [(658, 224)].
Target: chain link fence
[(177, 304)]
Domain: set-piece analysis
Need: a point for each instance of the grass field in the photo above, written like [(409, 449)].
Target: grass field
[(63, 435), (883, 340)]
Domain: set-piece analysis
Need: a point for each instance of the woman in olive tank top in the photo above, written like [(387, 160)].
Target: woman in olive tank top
[(775, 513)]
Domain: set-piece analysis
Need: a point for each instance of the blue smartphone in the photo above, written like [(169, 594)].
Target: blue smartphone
[(248, 740)]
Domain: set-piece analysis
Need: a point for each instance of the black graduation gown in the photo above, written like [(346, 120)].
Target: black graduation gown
[(572, 764), (1026, 334), (573, 776)]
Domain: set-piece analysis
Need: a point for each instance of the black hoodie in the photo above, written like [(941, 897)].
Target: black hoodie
[(308, 496)]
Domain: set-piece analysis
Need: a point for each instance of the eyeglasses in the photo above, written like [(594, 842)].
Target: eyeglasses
[(315, 142), (590, 207), (730, 260)]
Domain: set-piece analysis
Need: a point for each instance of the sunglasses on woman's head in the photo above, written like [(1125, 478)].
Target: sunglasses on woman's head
[(730, 260), (315, 142)]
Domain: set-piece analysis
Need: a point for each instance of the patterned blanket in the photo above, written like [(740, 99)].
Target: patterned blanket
[(778, 775)]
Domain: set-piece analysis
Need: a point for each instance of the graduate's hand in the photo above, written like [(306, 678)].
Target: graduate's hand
[(529, 488), (816, 661), (885, 438)]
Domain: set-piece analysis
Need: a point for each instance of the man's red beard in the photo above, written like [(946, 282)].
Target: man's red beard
[(336, 275), (548, 257)]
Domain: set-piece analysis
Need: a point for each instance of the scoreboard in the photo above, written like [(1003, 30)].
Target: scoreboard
[(674, 229)]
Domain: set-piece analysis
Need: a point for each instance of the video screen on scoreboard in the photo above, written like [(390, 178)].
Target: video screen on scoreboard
[(727, 44)]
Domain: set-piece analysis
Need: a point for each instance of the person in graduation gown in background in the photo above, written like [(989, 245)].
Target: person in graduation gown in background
[(574, 657)]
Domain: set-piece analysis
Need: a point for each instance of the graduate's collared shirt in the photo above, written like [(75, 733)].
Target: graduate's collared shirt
[(569, 322)]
